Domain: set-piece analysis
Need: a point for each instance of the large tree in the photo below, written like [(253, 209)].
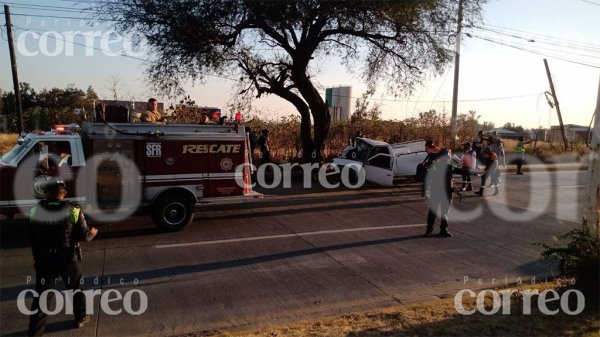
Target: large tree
[(275, 47)]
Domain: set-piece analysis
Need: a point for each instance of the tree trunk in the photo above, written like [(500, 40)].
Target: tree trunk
[(305, 125), (319, 112)]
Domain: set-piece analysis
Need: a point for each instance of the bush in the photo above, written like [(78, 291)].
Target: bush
[(577, 255)]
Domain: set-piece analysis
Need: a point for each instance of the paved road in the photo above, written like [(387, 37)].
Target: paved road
[(305, 253)]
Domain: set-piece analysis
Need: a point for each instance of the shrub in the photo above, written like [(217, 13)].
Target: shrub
[(577, 255)]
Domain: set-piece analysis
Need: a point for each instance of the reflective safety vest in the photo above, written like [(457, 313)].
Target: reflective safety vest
[(52, 224), (520, 148)]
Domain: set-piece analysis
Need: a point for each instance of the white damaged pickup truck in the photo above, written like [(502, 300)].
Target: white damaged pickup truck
[(382, 162)]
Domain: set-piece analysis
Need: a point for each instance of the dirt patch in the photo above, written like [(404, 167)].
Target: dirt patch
[(437, 318)]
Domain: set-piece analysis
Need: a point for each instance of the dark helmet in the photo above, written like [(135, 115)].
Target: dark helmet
[(429, 143), (54, 185)]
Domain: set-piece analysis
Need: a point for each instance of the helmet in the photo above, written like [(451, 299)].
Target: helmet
[(429, 143), (54, 185)]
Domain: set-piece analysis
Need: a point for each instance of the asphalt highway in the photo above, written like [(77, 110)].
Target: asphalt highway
[(304, 253)]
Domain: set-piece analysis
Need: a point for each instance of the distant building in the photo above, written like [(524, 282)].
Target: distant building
[(509, 134), (339, 102), (573, 133)]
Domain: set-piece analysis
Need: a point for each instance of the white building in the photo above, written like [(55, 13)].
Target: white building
[(339, 101)]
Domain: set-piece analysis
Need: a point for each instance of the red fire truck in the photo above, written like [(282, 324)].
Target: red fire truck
[(115, 169)]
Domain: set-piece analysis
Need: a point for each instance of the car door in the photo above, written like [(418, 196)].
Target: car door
[(379, 167), (406, 163)]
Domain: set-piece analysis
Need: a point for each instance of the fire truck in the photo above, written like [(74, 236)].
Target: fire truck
[(113, 169)]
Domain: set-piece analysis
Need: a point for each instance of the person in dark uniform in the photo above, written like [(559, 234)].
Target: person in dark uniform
[(55, 229), (438, 182), (263, 143), (432, 153)]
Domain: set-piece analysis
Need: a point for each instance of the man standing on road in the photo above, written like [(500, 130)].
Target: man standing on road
[(55, 229), (263, 143), (490, 160), (467, 163), (438, 182), (520, 150)]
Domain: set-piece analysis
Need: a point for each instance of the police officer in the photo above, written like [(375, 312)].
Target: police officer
[(55, 228), (438, 182)]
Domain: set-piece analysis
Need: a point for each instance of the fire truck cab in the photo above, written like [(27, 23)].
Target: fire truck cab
[(121, 168)]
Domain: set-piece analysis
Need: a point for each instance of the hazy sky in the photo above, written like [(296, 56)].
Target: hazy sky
[(502, 83)]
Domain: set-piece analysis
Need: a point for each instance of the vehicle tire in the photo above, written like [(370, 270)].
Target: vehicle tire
[(172, 213)]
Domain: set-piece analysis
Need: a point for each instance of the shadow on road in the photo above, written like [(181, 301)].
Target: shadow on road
[(11, 293)]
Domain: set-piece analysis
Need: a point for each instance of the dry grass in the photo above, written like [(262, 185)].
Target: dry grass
[(7, 141), (438, 318)]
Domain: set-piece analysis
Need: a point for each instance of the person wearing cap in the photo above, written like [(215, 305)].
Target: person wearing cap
[(152, 115), (490, 160), (55, 229), (438, 182), (263, 143), (432, 152)]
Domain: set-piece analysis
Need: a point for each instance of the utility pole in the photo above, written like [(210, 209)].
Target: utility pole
[(562, 127), (453, 126), (13, 63), (592, 204)]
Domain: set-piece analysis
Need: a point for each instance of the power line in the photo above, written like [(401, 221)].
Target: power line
[(570, 51), (548, 37), (59, 17), (536, 52), (557, 42), (591, 2)]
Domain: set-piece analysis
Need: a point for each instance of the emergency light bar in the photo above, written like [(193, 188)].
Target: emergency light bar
[(62, 129)]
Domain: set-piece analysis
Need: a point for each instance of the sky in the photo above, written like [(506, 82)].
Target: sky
[(499, 79)]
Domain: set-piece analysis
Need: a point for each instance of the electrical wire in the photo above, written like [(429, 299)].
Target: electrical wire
[(548, 37), (558, 43), (591, 2), (535, 52)]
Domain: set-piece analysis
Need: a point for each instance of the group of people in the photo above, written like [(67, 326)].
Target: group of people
[(482, 157)]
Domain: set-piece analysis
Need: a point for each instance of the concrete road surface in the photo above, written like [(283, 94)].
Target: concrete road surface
[(302, 254)]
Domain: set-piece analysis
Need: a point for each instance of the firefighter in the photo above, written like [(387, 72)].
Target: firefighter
[(490, 160), (152, 115), (205, 119), (438, 182), (55, 229)]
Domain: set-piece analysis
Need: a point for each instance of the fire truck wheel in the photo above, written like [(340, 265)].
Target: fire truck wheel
[(173, 213)]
